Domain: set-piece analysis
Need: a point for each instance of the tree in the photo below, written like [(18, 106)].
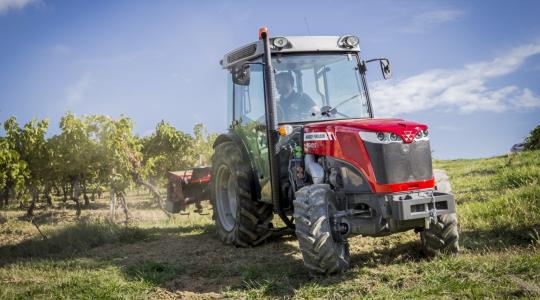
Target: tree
[(116, 141), (13, 170), (203, 144), (532, 142), (165, 150), (29, 142), (92, 152), (58, 176), (79, 154), (169, 149)]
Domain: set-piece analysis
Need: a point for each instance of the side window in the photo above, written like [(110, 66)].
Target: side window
[(249, 99), (230, 102)]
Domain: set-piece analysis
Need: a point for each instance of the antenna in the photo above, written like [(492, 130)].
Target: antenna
[(307, 26)]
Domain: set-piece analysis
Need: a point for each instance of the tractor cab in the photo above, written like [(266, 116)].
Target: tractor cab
[(303, 143), (316, 79)]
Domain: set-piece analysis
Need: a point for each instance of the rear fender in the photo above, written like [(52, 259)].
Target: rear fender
[(232, 136)]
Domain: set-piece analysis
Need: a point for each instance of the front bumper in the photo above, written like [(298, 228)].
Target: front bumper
[(412, 206)]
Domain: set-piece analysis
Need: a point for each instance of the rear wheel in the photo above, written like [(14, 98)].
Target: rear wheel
[(324, 252), (240, 220)]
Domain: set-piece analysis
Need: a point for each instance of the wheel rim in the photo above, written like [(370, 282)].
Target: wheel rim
[(226, 198), (340, 246)]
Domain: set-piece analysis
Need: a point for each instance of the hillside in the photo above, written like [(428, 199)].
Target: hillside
[(160, 257)]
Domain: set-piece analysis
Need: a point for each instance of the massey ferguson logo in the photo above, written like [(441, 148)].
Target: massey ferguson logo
[(318, 136), (408, 136)]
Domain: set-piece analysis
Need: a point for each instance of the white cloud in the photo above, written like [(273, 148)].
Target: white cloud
[(75, 94), (6, 5), (462, 89), (423, 22)]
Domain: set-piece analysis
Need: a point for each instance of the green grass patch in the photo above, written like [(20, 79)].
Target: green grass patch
[(498, 274), (73, 239), (480, 180), (514, 209), (155, 272), (69, 279), (517, 176)]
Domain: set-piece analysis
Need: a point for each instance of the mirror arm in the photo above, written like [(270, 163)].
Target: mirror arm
[(375, 59), (385, 66)]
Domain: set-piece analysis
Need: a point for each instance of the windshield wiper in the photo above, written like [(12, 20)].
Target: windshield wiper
[(329, 111)]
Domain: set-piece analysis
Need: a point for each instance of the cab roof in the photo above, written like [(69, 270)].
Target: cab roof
[(293, 44)]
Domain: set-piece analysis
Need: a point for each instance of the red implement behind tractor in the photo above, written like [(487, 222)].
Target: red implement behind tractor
[(187, 187)]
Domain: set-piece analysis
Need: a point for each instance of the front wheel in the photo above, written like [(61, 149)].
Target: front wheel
[(324, 252), (443, 234)]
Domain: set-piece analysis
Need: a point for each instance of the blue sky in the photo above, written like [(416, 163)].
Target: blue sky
[(469, 69)]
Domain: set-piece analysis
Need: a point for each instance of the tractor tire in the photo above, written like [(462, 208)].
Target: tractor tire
[(240, 220), (322, 250), (442, 235)]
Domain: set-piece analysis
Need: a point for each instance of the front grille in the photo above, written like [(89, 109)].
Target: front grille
[(400, 163), (441, 205)]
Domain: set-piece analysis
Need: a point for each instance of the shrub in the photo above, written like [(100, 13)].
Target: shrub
[(532, 142)]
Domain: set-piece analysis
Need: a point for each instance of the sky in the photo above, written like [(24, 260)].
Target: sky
[(468, 69)]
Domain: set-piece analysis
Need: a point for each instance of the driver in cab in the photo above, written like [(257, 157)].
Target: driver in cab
[(295, 105)]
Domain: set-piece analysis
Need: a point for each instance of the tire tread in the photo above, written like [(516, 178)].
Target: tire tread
[(253, 217)]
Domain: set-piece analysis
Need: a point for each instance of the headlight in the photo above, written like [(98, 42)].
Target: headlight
[(422, 135), (349, 41), (280, 42), (380, 137), (352, 41)]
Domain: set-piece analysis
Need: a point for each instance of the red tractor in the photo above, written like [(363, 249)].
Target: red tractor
[(303, 143)]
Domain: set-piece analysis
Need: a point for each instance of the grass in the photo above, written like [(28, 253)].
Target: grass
[(69, 278), (74, 239), (181, 257)]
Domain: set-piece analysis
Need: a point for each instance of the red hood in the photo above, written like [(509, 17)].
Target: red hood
[(407, 130)]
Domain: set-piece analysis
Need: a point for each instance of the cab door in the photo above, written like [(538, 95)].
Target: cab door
[(250, 124)]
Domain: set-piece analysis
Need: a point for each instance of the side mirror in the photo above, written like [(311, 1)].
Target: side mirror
[(385, 68), (241, 74)]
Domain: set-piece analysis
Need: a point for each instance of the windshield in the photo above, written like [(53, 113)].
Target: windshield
[(319, 87)]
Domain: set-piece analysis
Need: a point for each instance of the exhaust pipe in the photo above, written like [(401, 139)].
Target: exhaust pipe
[(272, 126), (315, 170)]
